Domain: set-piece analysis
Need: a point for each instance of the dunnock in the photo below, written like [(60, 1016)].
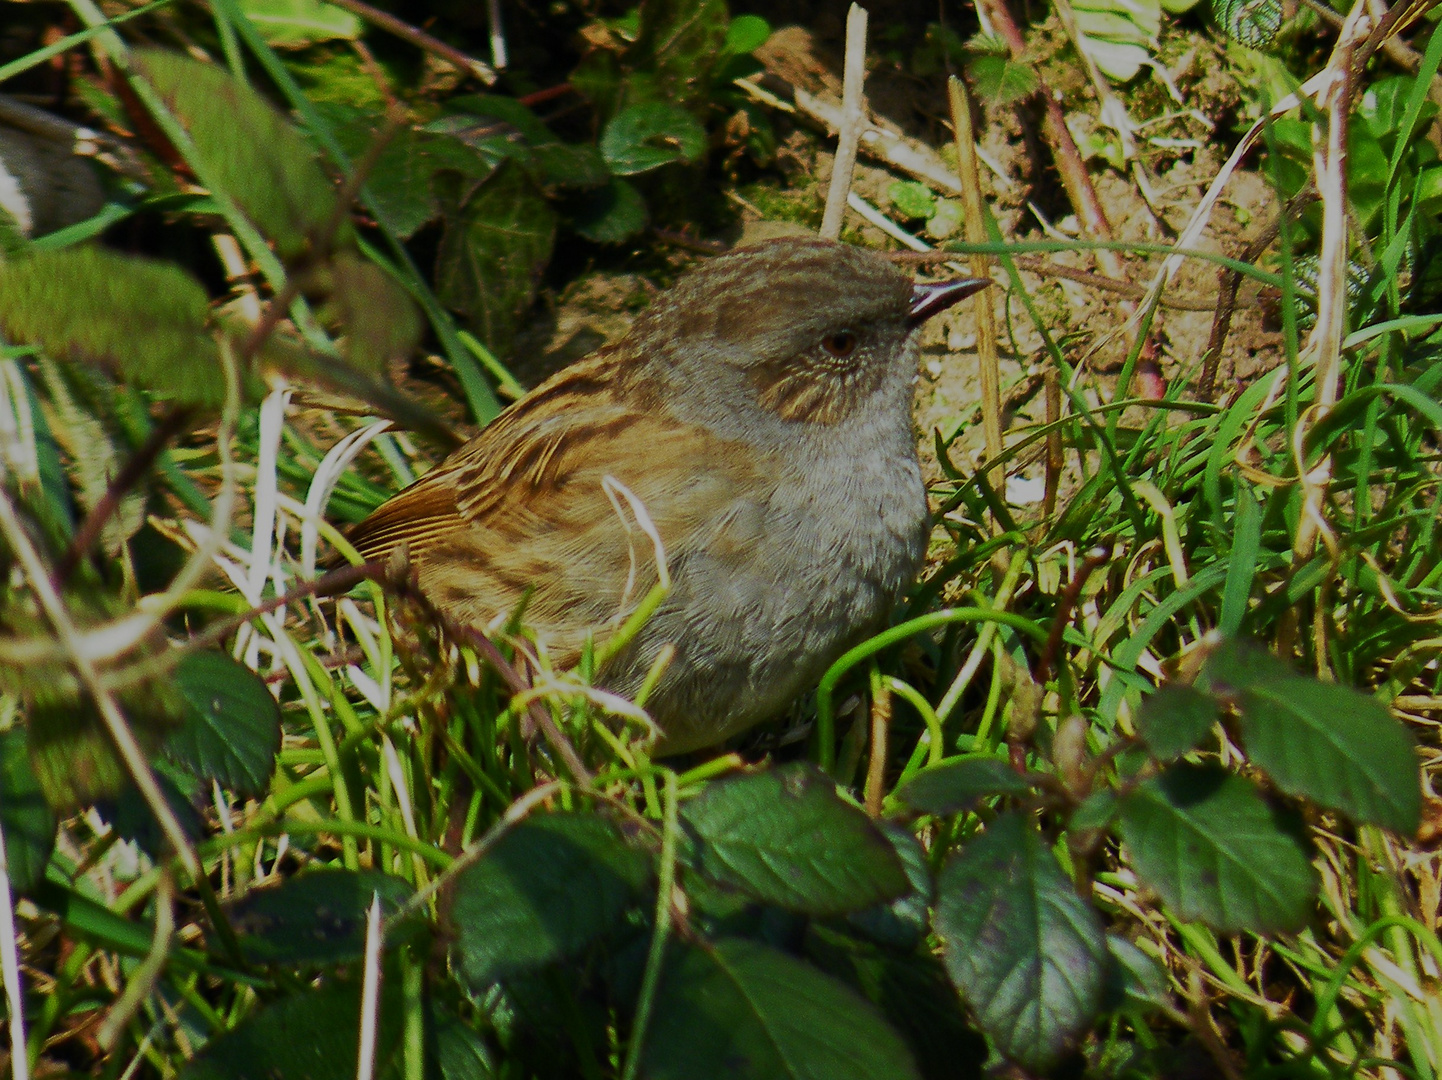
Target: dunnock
[(760, 412)]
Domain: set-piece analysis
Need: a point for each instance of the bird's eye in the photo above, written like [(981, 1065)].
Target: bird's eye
[(840, 344)]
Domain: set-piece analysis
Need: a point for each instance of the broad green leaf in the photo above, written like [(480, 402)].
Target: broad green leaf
[(377, 317), (547, 889), (645, 137), (1206, 841), (230, 725), (1329, 743), (1024, 949), (496, 244), (1000, 80), (1336, 746), (1176, 719), (741, 1010), (957, 785), (502, 127), (313, 1034), (903, 922), (745, 34), (1135, 979), (29, 823), (911, 199), (249, 149), (314, 918), (610, 214), (784, 837), (145, 319), (294, 23)]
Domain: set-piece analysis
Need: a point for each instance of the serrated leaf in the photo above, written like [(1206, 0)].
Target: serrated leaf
[(1000, 80), (377, 317), (294, 23), (26, 817), (1206, 841), (957, 785), (911, 199), (494, 248), (610, 214), (1176, 719), (645, 137), (1024, 949), (142, 318), (784, 837), (249, 149), (230, 724), (314, 918), (549, 887), (741, 1010)]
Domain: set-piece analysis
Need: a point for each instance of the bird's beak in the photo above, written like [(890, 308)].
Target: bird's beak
[(932, 298)]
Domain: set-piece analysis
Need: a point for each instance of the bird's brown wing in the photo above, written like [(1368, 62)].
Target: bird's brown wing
[(524, 509)]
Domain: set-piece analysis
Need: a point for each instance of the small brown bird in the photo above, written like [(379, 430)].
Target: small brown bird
[(760, 413)]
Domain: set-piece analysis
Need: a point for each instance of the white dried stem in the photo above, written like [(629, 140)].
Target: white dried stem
[(10, 968), (853, 120)]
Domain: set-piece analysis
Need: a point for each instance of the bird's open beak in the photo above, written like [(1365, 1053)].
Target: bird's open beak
[(932, 298)]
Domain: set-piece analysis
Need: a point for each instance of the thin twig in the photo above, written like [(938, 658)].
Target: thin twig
[(467, 65), (853, 119), (1066, 604)]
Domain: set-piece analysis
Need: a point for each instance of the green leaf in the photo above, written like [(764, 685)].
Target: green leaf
[(912, 199), (957, 785), (645, 137), (1024, 949), (143, 318), (1253, 23), (611, 214), (548, 888), (1176, 719), (1135, 980), (784, 837), (378, 318), (1000, 80), (25, 816), (230, 724), (295, 23), (677, 46), (747, 33), (492, 253), (314, 918), (747, 1012), (903, 922), (310, 1035), (248, 149), (1206, 841)]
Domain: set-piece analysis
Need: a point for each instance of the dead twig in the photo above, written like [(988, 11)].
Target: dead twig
[(853, 120)]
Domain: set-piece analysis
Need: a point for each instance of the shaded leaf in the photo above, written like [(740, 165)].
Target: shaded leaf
[(145, 319), (249, 149), (784, 837), (645, 137), (378, 318), (1176, 719), (301, 22), (314, 918), (230, 724), (956, 785), (677, 42), (611, 214), (28, 822), (742, 1010), (1027, 952), (902, 923), (1206, 841), (493, 251), (549, 887), (1134, 979)]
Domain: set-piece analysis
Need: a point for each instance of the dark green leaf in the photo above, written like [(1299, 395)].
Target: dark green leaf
[(145, 319), (495, 246), (295, 23), (548, 888), (461, 1054), (784, 837), (1253, 23), (956, 785), (378, 319), (315, 918), (677, 44), (903, 922), (1025, 950), (1175, 719), (610, 214), (28, 822), (230, 726), (1335, 745), (1206, 841), (744, 1011), (1134, 980), (648, 136), (310, 1035), (249, 149)]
